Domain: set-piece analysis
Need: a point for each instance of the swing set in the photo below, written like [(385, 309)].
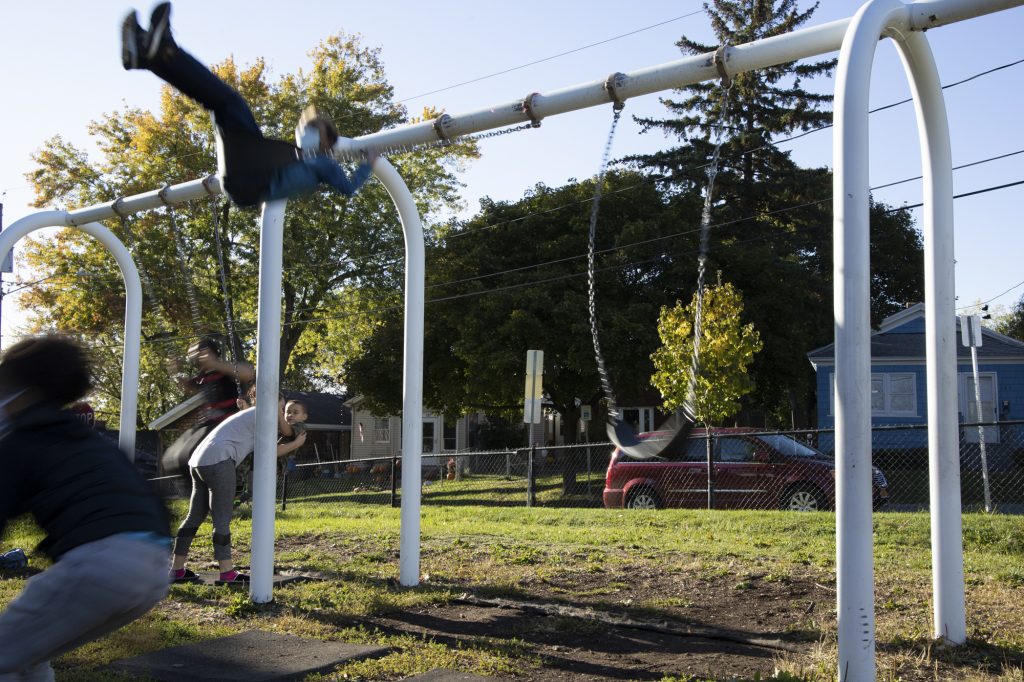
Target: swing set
[(856, 39)]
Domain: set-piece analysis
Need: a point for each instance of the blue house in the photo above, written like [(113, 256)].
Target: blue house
[(898, 383)]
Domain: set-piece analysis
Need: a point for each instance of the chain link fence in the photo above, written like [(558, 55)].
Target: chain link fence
[(749, 469)]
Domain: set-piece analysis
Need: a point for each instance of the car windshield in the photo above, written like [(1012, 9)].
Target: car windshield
[(788, 446)]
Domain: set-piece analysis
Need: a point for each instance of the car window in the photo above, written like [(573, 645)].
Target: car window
[(786, 445), (733, 449), (696, 450)]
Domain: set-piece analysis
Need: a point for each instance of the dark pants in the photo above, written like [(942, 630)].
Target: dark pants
[(213, 492), (183, 71)]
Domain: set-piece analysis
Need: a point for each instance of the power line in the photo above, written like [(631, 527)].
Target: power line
[(556, 278), (549, 58), (986, 190)]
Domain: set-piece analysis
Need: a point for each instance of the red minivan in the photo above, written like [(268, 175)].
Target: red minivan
[(752, 470)]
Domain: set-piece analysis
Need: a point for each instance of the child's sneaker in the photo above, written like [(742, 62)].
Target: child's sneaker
[(159, 30), (184, 575), (233, 577), (133, 40)]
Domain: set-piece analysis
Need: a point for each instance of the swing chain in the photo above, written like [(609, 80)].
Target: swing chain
[(705, 229), (401, 149), (229, 318), (602, 369), (179, 245)]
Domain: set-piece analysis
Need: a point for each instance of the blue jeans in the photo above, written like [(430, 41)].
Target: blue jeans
[(89, 592), (299, 178)]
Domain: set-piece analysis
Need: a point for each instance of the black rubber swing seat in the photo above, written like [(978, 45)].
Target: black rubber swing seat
[(652, 447)]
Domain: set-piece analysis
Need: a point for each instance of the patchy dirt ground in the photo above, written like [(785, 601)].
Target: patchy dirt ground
[(580, 617), (706, 627), (574, 644)]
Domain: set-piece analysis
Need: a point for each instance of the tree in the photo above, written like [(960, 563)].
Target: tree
[(727, 347), (342, 254), (772, 226), (1012, 323), (513, 278)]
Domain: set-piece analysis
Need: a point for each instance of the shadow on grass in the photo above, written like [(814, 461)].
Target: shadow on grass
[(975, 655)]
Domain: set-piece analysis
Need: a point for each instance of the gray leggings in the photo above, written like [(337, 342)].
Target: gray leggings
[(90, 591), (213, 492)]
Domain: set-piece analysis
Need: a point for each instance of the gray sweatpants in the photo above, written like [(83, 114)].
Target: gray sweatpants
[(90, 591), (213, 492)]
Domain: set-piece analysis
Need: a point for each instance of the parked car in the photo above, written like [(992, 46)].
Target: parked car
[(752, 470)]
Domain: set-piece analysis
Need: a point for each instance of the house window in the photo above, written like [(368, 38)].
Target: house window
[(893, 394), (381, 431), (640, 418), (450, 439)]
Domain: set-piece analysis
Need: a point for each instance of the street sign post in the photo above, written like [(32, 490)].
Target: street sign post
[(970, 335), (534, 393)]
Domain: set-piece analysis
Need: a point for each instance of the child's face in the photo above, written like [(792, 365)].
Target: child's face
[(295, 413)]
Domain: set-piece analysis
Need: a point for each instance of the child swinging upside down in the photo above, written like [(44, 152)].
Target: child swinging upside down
[(252, 168)]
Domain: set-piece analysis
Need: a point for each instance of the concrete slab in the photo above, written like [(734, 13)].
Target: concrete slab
[(446, 675), (253, 656)]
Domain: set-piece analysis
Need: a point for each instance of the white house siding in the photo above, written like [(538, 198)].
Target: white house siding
[(364, 443)]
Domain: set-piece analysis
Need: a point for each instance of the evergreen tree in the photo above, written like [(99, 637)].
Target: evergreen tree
[(771, 232)]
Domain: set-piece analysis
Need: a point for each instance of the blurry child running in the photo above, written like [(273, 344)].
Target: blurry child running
[(212, 468), (106, 532)]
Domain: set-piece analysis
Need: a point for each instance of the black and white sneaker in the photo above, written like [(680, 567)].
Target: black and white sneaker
[(132, 40), (159, 29)]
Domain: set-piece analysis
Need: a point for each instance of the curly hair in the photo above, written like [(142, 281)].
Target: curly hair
[(56, 366)]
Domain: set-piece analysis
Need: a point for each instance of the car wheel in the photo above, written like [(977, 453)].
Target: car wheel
[(643, 498), (803, 498)]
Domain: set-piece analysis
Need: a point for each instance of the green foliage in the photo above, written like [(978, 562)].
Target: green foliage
[(1012, 324), (771, 233), (727, 348), (512, 279), (342, 259)]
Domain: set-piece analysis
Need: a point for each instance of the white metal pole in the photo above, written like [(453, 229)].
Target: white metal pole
[(132, 309), (981, 430), (412, 382), (940, 336), (268, 367), (852, 295)]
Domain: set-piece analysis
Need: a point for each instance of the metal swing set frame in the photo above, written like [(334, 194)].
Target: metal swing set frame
[(856, 39)]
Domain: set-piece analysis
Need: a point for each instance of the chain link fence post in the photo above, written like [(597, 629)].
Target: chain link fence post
[(531, 488)]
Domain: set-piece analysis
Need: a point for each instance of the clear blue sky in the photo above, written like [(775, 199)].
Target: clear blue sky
[(62, 70)]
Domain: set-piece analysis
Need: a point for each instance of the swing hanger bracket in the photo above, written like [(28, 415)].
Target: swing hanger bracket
[(529, 108), (208, 185), (162, 194), (612, 84), (440, 125), (116, 207), (719, 60)]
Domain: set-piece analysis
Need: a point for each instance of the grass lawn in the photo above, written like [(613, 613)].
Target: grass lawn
[(762, 572)]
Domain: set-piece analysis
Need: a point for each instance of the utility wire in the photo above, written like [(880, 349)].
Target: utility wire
[(549, 58), (548, 280)]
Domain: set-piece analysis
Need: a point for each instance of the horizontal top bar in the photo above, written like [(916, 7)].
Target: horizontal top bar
[(801, 44)]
